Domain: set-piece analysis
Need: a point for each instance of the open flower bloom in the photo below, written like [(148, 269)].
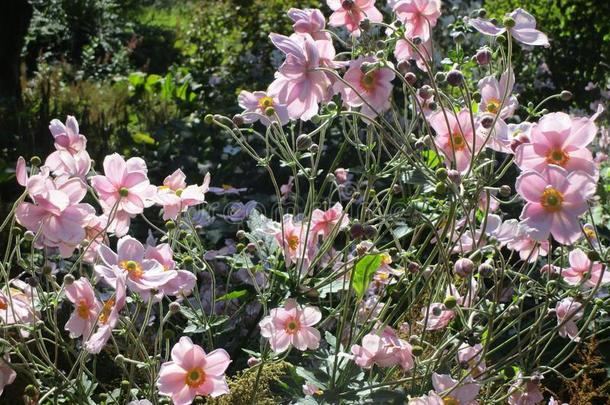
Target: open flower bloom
[(454, 392), (87, 307), (57, 212), (296, 243), (370, 90), (494, 91), (560, 140), (583, 271), (183, 283), (124, 190), (515, 236), (193, 372), (18, 306), (472, 356), (67, 137), (292, 326), (309, 21), (431, 398), (351, 13), (324, 222), (255, 106), (568, 311), (456, 138), (555, 200), (385, 350), (524, 392), (175, 196), (143, 275), (524, 30), (418, 16), (63, 163), (298, 84), (464, 237), (7, 374), (108, 316)]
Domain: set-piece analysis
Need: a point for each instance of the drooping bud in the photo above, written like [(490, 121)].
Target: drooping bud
[(463, 267)]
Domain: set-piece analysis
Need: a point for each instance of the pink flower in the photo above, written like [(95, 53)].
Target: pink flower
[(568, 311), (494, 91), (436, 317), (384, 350), (175, 196), (108, 316), (124, 190), (87, 307), (554, 201), (341, 175), (350, 13), (370, 90), (143, 275), (455, 137), (472, 356), (309, 21), (293, 239), (7, 374), (292, 326), (324, 222), (559, 140), (524, 30), (67, 137), (183, 283), (56, 213), (431, 399), (255, 106), (18, 306), (515, 236), (524, 392), (63, 163), (418, 16), (311, 389), (192, 372), (582, 270), (452, 391), (404, 51), (298, 84)]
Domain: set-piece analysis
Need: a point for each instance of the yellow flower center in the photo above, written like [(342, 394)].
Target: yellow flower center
[(265, 102), (106, 310), (557, 157), (195, 377), (82, 309), (368, 81), (292, 326), (293, 242), (551, 200), (451, 401), (386, 258), (590, 233), (493, 106), (459, 143), (132, 267), (227, 187)]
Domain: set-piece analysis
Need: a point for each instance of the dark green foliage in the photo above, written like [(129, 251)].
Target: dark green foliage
[(580, 46)]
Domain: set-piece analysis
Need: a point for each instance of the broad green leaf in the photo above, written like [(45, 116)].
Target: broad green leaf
[(232, 295), (364, 271)]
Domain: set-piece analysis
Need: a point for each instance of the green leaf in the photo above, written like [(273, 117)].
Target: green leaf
[(364, 271), (232, 295), (141, 137)]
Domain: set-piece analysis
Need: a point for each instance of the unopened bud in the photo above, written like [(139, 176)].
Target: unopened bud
[(566, 95), (454, 176), (30, 391), (505, 190), (241, 234), (441, 173), (208, 119), (170, 225), (35, 161), (303, 142), (356, 230), (410, 78), (174, 307), (450, 302), (29, 236), (455, 78), (463, 267), (425, 92), (68, 279), (509, 22), (440, 188), (483, 56), (238, 120), (417, 351)]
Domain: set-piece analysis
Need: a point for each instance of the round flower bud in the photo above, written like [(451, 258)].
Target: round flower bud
[(414, 340), (509, 22), (440, 77), (269, 111), (454, 176), (417, 351), (450, 302), (476, 96), (485, 270), (432, 106), (48, 270), (168, 334), (125, 385), (316, 119), (487, 121), (593, 256), (187, 260), (413, 267), (253, 361), (356, 230), (251, 247), (410, 78), (441, 173), (208, 119), (241, 234), (238, 120), (483, 56), (566, 95), (463, 267), (458, 37), (314, 148), (240, 247), (174, 307), (396, 189), (425, 92), (35, 161), (30, 391), (29, 236), (365, 25), (331, 106), (481, 13), (369, 231), (455, 78), (440, 188), (303, 142), (509, 372), (170, 225), (505, 190), (68, 279)]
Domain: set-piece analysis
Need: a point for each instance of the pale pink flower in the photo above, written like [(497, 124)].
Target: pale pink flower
[(7, 374), (311, 389), (404, 51), (494, 91), (255, 106), (350, 13), (87, 307), (341, 175), (309, 21), (431, 398), (455, 137), (298, 84), (292, 325), (371, 90), (108, 316), (569, 311), (524, 30), (437, 316), (554, 201), (124, 190), (418, 16), (582, 270), (142, 275), (464, 238), (17, 307), (293, 238), (515, 236), (559, 140), (63, 163), (21, 172), (176, 196), (95, 232), (68, 137), (385, 350), (183, 283), (498, 137), (450, 389), (524, 392), (57, 212), (472, 356), (324, 222), (192, 372)]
